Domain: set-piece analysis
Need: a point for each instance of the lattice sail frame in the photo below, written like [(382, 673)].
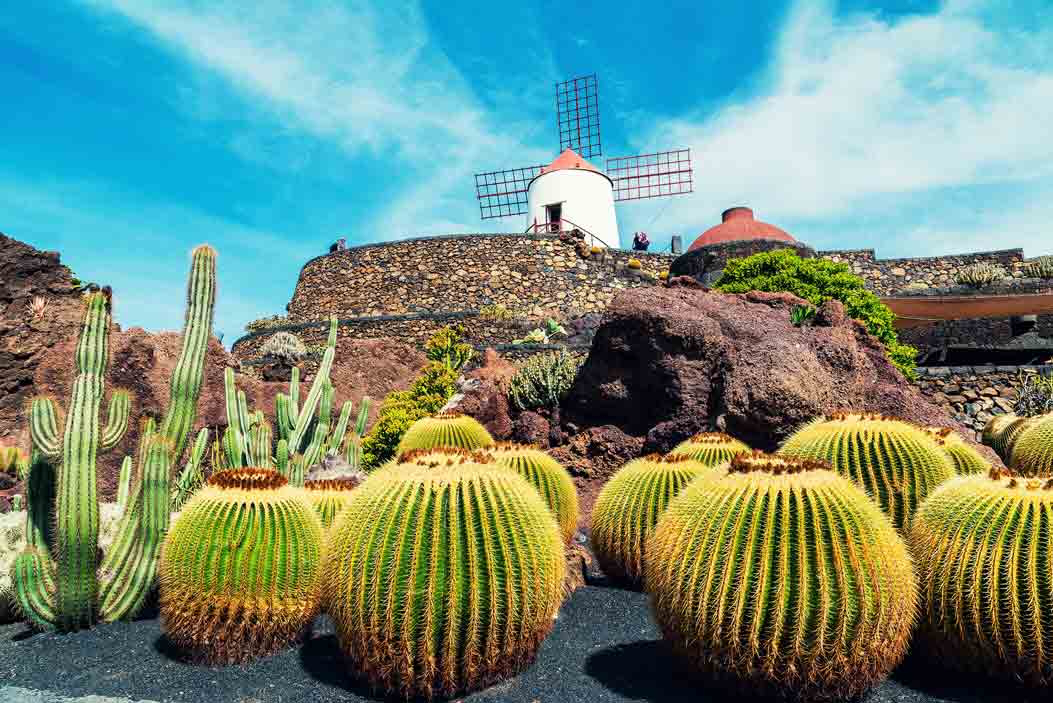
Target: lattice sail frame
[(651, 175), (504, 193), (578, 116)]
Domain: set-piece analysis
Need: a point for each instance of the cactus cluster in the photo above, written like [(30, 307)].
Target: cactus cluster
[(445, 429), (963, 457), (897, 463), (285, 346), (980, 274), (1000, 432), (241, 570), (628, 508), (443, 579), (710, 448), (545, 474), (13, 461), (781, 577), (1032, 448), (1042, 267)]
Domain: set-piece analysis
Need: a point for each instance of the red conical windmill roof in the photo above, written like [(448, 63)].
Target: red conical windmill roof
[(737, 224), (569, 159)]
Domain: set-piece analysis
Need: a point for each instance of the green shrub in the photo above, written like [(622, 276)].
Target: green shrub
[(819, 280), (544, 380), (802, 314), (446, 348), (1036, 395)]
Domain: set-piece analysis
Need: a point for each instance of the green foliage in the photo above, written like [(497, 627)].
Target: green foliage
[(782, 579), (446, 348), (498, 311), (980, 274), (819, 280), (543, 380), (543, 335), (192, 477), (1036, 395), (802, 314), (400, 409)]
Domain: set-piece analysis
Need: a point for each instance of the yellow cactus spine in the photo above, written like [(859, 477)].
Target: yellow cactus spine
[(628, 508), (330, 496), (895, 462), (549, 478), (445, 430), (984, 567), (964, 458), (710, 448), (241, 568), (1032, 448), (445, 579), (782, 578)]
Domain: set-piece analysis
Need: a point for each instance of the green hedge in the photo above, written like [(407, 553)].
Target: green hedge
[(819, 280)]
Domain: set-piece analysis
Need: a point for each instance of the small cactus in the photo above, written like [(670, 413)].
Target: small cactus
[(329, 496), (284, 346), (1032, 450), (434, 589), (710, 448), (980, 274), (984, 565), (965, 459), (635, 264), (241, 569), (1042, 267), (628, 507), (546, 475), (896, 462), (1001, 431), (782, 578), (445, 430)]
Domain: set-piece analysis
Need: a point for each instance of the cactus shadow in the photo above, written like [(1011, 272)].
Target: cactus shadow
[(927, 676), (322, 660), (646, 670)]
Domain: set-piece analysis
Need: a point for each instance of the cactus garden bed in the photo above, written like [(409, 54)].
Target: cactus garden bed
[(604, 647)]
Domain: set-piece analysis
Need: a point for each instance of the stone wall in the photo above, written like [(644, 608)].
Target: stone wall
[(888, 276), (984, 332)]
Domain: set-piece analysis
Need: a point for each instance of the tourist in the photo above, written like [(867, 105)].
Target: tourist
[(640, 241)]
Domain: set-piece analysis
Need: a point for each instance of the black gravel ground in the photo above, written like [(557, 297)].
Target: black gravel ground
[(604, 647)]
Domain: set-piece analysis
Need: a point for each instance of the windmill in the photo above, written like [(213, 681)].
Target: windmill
[(570, 193)]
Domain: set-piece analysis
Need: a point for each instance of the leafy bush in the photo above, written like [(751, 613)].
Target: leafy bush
[(1036, 395), (543, 380), (819, 280), (446, 347), (980, 275), (802, 314)]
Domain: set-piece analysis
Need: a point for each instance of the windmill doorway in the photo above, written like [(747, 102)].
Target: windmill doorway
[(554, 215)]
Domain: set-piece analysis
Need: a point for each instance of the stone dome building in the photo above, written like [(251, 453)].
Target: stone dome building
[(738, 224)]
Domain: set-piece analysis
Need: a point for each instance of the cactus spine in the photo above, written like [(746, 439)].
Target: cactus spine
[(628, 508), (445, 579), (124, 481), (191, 477), (1032, 449), (963, 457), (895, 462), (982, 542), (782, 578), (240, 570), (445, 429), (329, 497), (1001, 432), (545, 474), (710, 448), (353, 446)]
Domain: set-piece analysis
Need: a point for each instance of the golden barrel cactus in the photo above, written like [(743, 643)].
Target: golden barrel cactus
[(896, 462), (984, 565), (241, 569), (546, 475), (445, 430), (444, 579), (782, 578), (628, 507), (1001, 431), (1032, 448), (964, 458), (329, 496), (710, 448)]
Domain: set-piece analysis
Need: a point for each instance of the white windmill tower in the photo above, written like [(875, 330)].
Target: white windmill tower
[(570, 193)]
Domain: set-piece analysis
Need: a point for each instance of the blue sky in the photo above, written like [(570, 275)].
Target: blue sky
[(134, 130)]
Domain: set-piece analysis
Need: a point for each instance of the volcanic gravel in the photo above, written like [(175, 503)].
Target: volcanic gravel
[(604, 647)]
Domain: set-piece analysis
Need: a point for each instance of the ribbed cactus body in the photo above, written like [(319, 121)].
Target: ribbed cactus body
[(628, 508), (1032, 449), (329, 496), (443, 580), (445, 430), (241, 569), (963, 457), (897, 463), (984, 564), (1001, 432), (710, 448), (546, 475), (782, 578)]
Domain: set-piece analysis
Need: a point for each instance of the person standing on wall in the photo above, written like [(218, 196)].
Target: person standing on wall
[(640, 241)]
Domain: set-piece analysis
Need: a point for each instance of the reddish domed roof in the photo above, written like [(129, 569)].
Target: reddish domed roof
[(569, 159), (737, 223)]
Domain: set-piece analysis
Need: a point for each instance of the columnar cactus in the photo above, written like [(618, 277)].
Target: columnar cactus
[(329, 496), (964, 458), (782, 578), (546, 475), (445, 429), (486, 567), (628, 508), (241, 569), (896, 462), (1033, 448), (984, 564), (710, 448)]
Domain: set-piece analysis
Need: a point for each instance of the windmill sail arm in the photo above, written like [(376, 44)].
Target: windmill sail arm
[(653, 175)]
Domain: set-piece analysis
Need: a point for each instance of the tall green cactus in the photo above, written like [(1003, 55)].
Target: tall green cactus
[(191, 477)]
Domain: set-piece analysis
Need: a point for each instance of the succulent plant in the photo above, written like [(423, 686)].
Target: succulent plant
[(965, 459), (329, 496), (635, 264), (980, 274), (13, 461), (285, 346), (782, 578), (483, 583), (1042, 267), (984, 565), (1001, 432), (1032, 450), (710, 448), (896, 462), (628, 508), (241, 569), (445, 429), (802, 314), (548, 476)]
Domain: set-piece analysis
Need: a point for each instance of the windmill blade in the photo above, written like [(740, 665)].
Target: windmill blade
[(504, 193), (651, 175), (578, 115)]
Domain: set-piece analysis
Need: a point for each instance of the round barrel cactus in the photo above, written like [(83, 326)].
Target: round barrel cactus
[(628, 507), (1000, 433), (241, 569), (1032, 448), (710, 448), (443, 579), (445, 430), (964, 458), (546, 475), (896, 462), (782, 578), (984, 565), (329, 496)]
